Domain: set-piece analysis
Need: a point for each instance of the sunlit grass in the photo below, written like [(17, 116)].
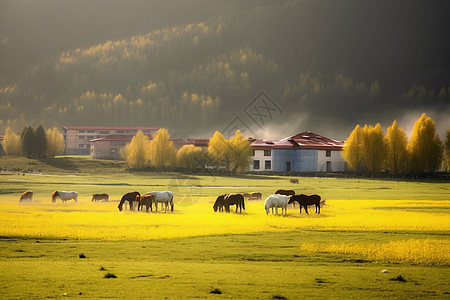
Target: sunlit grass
[(86, 220), (412, 251)]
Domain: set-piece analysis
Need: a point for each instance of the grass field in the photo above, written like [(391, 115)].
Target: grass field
[(373, 238)]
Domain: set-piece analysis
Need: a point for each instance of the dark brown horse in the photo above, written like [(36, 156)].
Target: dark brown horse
[(305, 200), (219, 205), (234, 199), (26, 196), (100, 197), (130, 197), (145, 200), (285, 192)]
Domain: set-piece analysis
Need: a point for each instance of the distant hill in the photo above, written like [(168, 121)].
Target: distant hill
[(193, 68)]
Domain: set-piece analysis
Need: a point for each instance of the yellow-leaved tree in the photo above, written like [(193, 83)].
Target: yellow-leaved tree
[(396, 153), (162, 153), (135, 153), (352, 151), (55, 142), (373, 148), (190, 157), (240, 151), (425, 147), (11, 143), (217, 149)]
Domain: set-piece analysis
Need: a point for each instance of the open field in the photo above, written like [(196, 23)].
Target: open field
[(365, 227)]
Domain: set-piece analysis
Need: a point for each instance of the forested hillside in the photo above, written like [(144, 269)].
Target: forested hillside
[(192, 66)]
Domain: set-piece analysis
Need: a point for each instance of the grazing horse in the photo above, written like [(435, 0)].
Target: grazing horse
[(253, 196), (100, 197), (234, 199), (26, 196), (276, 201), (130, 197), (305, 200), (64, 196), (285, 192), (165, 197), (219, 205), (146, 200)]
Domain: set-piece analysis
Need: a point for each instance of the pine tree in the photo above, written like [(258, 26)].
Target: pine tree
[(28, 142), (41, 142)]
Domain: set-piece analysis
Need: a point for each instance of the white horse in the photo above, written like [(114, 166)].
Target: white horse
[(165, 197), (276, 201), (64, 196)]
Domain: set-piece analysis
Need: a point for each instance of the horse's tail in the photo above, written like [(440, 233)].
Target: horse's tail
[(171, 203), (243, 203)]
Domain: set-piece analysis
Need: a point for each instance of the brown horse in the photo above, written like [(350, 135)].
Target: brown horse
[(219, 205), (253, 196), (234, 199), (285, 192), (305, 200), (130, 197), (100, 197), (26, 196), (147, 200)]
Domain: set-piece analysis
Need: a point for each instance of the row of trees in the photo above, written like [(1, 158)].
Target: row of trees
[(34, 142), (231, 154), (367, 149)]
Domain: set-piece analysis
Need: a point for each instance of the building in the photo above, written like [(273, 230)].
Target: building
[(108, 147), (77, 138), (304, 152)]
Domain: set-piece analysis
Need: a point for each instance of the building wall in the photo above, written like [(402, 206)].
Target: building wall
[(107, 149), (306, 160), (259, 156)]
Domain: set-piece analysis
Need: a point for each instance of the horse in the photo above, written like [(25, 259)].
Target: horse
[(130, 197), (64, 196), (219, 205), (305, 200), (253, 196), (100, 197), (285, 192), (234, 199), (26, 196), (146, 200), (165, 197), (276, 201)]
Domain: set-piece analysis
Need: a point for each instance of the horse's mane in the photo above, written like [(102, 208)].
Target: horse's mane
[(54, 194)]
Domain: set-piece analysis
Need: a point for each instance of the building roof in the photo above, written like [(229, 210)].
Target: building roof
[(310, 140), (117, 138), (108, 128), (198, 142), (258, 144)]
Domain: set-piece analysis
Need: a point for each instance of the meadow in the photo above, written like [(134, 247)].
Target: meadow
[(374, 237)]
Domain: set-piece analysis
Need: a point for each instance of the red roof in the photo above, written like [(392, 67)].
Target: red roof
[(310, 140), (262, 144), (198, 142), (117, 138), (108, 128)]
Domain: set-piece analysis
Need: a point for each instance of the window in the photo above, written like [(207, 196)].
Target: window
[(328, 153), (329, 166), (268, 165), (112, 150), (80, 145), (267, 153), (256, 165), (288, 166), (120, 131), (91, 131), (104, 132), (81, 137), (80, 131), (253, 151)]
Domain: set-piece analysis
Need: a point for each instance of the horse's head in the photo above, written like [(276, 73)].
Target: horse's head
[(138, 198), (54, 195), (291, 200), (120, 207)]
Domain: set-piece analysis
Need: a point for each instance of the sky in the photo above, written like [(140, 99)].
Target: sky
[(198, 66)]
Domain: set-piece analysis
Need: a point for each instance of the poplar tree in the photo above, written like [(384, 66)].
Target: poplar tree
[(11, 143), (40, 148), (190, 157), (240, 151), (373, 148), (352, 151), (217, 149), (162, 153), (55, 142), (425, 147), (396, 153), (135, 153)]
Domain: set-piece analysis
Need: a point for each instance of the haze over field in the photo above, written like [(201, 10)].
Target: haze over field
[(195, 66)]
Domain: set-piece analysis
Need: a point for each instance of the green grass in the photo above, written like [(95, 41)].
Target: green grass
[(267, 264)]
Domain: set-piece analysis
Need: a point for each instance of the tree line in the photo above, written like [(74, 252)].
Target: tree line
[(231, 155), (368, 150), (33, 142)]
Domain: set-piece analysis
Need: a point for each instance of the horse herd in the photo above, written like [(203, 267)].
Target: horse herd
[(281, 198)]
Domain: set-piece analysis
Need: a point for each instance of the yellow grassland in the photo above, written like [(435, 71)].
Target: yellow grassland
[(86, 220)]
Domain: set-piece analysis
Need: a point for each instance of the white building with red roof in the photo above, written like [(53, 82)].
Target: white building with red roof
[(77, 138)]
